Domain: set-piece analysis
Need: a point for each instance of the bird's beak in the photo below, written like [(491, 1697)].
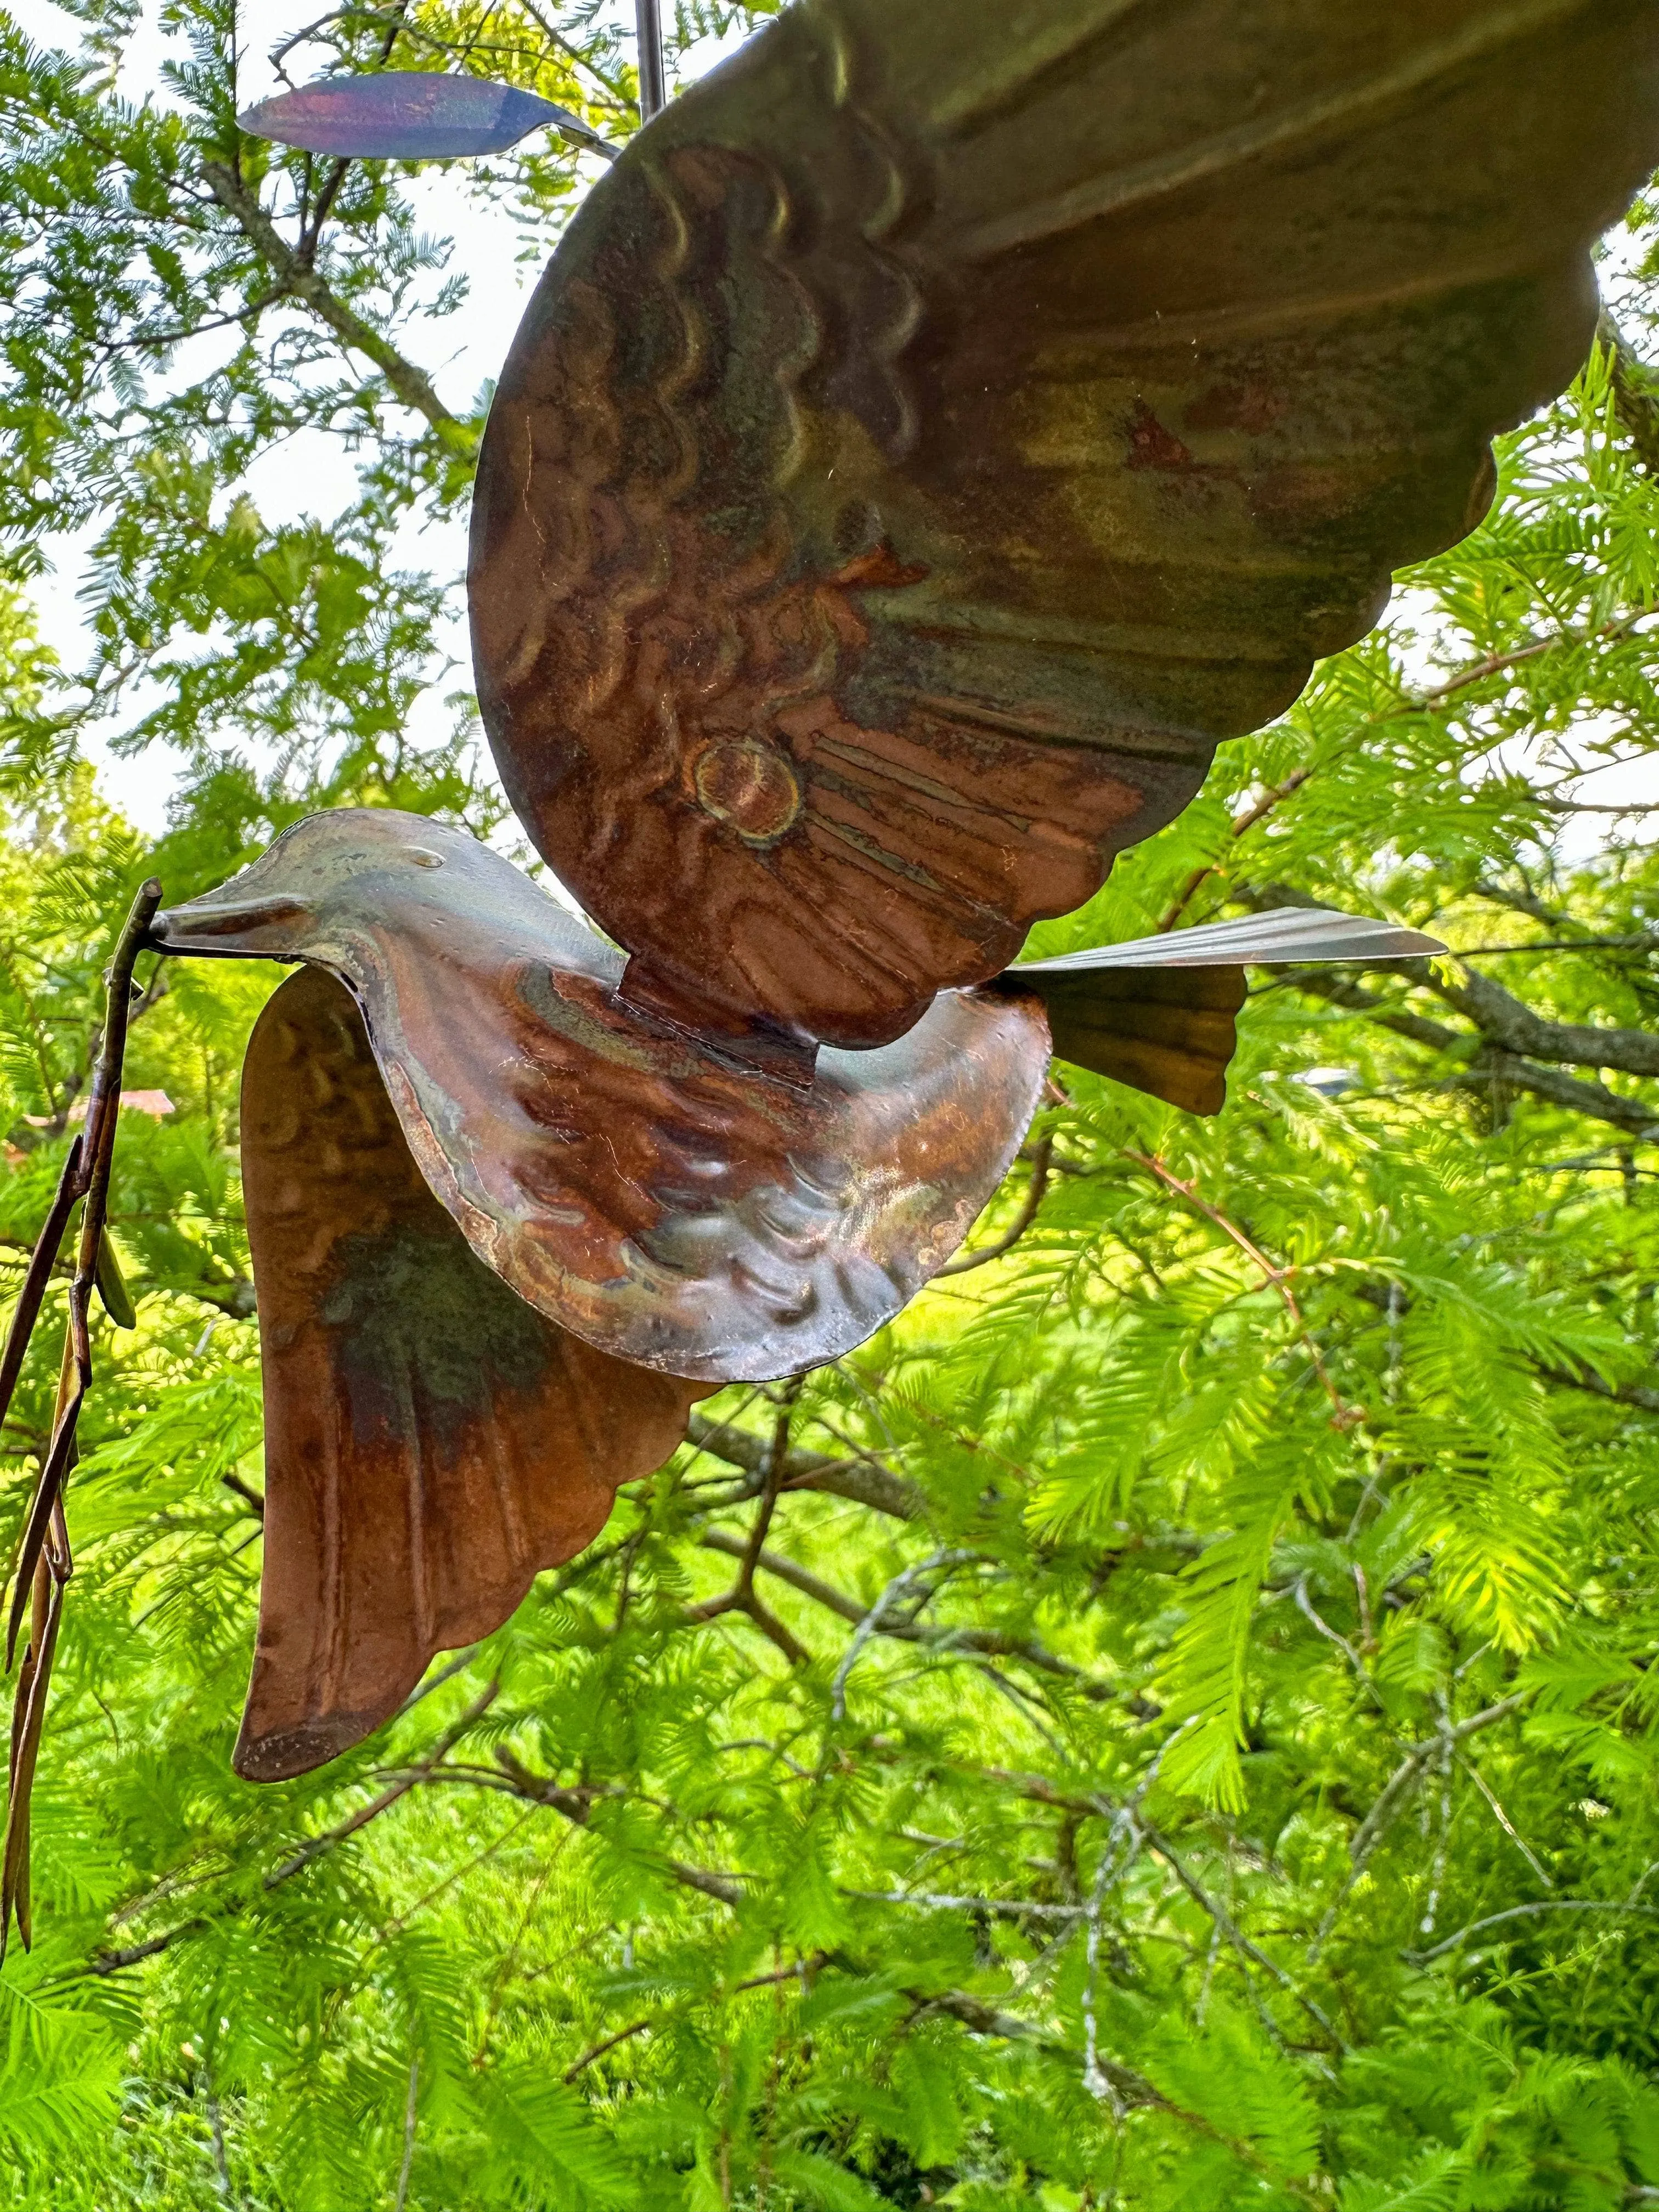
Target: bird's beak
[(252, 927)]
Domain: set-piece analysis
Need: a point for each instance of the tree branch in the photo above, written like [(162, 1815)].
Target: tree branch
[(989, 1642), (1233, 1934), (105, 1963), (1506, 1021), (1483, 1063), (302, 283), (1041, 1152), (865, 1482), (1524, 1912), (1621, 1393)]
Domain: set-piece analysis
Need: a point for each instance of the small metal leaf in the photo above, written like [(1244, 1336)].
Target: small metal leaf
[(409, 115)]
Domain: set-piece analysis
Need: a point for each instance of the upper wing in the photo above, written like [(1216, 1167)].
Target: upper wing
[(667, 1205), (431, 1442), (1160, 1012), (942, 425)]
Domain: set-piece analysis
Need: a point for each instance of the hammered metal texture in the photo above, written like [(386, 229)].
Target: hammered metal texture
[(1170, 1033), (668, 1206), (431, 1443), (943, 424)]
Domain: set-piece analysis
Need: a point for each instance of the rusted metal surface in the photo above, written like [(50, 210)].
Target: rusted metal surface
[(431, 1443), (940, 429), (668, 1206)]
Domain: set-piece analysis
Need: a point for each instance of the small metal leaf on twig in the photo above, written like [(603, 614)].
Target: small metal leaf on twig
[(411, 115)]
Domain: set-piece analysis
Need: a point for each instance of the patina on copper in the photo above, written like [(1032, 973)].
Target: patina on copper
[(942, 425), (432, 1443), (669, 1205)]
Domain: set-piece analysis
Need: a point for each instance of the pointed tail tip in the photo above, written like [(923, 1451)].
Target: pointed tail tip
[(284, 1752)]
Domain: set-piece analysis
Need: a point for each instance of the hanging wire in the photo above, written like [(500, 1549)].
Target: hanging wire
[(654, 84)]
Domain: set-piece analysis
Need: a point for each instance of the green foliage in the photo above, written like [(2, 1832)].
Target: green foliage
[(1191, 1741)]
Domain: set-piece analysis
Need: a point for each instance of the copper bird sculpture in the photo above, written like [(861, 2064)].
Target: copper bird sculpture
[(935, 432)]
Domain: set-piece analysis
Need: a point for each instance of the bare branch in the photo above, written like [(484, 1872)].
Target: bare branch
[(1482, 1064), (987, 1641), (1396, 1793), (1042, 1152), (1506, 1021), (105, 1963), (302, 283), (1525, 1911), (1621, 1393), (865, 1482), (1233, 1934)]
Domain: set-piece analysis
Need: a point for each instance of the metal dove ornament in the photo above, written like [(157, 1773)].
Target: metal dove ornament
[(937, 431), (507, 1226)]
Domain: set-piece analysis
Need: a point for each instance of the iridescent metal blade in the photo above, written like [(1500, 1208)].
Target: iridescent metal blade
[(409, 115), (1287, 933)]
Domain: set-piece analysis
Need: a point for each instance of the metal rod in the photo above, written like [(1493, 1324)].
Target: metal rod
[(653, 83), (43, 1566)]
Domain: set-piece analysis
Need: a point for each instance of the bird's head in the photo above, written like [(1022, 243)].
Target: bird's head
[(328, 870), (336, 887)]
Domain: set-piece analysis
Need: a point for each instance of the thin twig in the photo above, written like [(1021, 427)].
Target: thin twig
[(107, 1963), (1345, 1416), (801, 1968), (1008, 1908), (1041, 1152), (314, 1846), (1523, 1911), (872, 1619), (1498, 664), (1394, 1794), (1234, 1936), (409, 2131), (1505, 1823), (44, 1563)]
